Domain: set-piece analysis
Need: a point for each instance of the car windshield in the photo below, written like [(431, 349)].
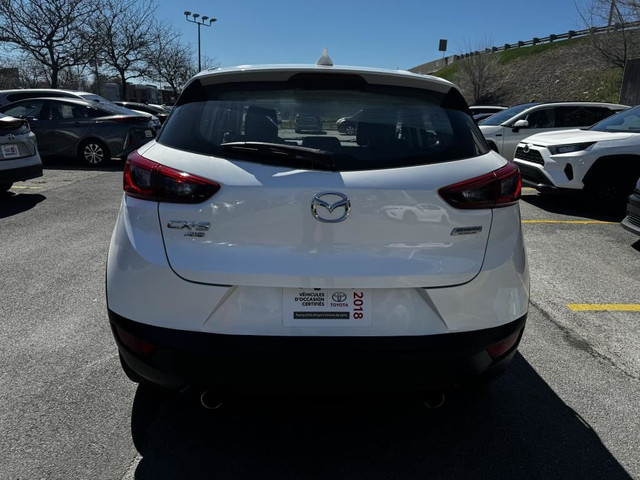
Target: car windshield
[(503, 116), (626, 121), (259, 122)]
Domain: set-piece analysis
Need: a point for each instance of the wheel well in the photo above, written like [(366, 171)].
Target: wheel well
[(625, 167)]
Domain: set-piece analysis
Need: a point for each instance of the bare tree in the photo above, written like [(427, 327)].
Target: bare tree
[(621, 40), (123, 31), (49, 31), (169, 60), (477, 75)]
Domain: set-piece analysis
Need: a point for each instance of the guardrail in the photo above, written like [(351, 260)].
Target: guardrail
[(435, 65)]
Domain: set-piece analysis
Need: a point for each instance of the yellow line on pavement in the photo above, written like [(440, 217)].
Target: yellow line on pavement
[(573, 222), (19, 187), (601, 307)]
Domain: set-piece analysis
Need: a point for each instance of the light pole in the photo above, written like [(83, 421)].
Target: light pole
[(198, 20)]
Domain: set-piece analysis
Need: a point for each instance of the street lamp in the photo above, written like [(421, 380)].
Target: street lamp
[(199, 21)]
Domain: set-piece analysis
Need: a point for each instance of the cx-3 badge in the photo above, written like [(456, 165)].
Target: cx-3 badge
[(194, 229), (330, 201)]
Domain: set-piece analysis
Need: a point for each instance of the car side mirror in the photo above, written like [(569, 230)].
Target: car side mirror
[(520, 124)]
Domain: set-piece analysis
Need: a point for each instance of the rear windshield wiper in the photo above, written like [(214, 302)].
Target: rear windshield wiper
[(282, 153)]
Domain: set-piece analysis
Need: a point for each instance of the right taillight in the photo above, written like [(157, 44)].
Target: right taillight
[(499, 188), (146, 179)]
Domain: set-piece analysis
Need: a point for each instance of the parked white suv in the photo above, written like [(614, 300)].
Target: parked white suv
[(245, 253), (603, 160), (506, 129)]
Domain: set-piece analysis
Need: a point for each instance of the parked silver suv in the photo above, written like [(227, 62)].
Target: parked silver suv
[(19, 158)]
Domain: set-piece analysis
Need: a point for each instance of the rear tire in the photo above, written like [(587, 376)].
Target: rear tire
[(94, 153), (608, 195)]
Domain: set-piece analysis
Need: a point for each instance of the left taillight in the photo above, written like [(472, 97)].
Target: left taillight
[(499, 188), (148, 180)]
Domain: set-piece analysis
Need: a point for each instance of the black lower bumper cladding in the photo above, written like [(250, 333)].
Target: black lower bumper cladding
[(177, 359)]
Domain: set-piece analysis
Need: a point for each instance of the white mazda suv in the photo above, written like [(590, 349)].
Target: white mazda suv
[(247, 254)]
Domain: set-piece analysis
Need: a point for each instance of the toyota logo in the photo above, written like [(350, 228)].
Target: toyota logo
[(339, 297), (526, 148), (330, 202)]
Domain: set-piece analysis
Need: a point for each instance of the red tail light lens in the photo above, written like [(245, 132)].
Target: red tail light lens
[(149, 180), (499, 349), (499, 188), (136, 344)]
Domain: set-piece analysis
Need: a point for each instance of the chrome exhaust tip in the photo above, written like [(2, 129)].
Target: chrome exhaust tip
[(210, 400), (434, 400)]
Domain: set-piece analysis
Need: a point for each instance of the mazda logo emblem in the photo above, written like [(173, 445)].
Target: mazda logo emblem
[(324, 204), (339, 296)]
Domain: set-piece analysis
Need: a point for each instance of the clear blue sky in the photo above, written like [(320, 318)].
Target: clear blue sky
[(389, 34)]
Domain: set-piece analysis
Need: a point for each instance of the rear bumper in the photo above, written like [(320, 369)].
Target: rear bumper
[(21, 174), (177, 359), (632, 221)]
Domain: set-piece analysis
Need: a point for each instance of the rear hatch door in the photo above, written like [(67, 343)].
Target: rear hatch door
[(284, 227)]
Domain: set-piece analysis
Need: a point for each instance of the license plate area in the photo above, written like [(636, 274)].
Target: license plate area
[(10, 151), (326, 307)]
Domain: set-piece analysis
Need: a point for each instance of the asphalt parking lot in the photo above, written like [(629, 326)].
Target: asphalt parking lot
[(567, 408)]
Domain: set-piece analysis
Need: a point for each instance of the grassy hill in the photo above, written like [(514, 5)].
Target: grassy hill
[(563, 70)]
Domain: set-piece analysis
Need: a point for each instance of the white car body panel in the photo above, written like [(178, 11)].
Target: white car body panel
[(506, 139)]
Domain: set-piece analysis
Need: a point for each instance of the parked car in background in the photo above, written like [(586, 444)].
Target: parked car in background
[(603, 160), (506, 129), (19, 158), (8, 96), (92, 132), (304, 283), (632, 221), (478, 109), (348, 125), (480, 112), (308, 123), (159, 112)]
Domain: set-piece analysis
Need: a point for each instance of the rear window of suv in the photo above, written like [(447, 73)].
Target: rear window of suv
[(256, 121)]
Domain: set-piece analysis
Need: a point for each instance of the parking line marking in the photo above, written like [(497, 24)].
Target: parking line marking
[(20, 187), (573, 222), (602, 307)]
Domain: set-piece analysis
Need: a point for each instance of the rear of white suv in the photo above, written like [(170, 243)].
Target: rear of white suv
[(248, 254)]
